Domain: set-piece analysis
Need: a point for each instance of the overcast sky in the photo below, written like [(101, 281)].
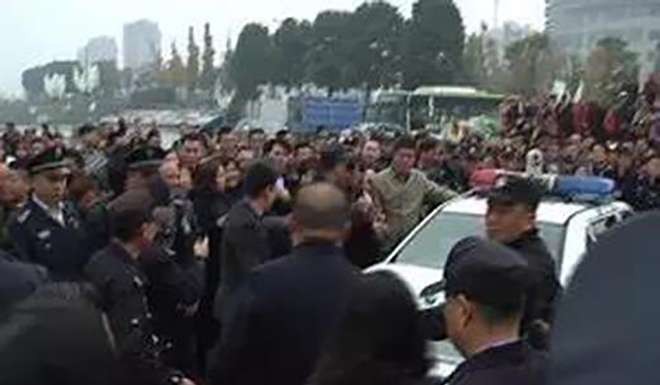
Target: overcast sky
[(36, 31)]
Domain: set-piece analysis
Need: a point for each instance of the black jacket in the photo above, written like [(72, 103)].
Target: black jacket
[(245, 245), (281, 317), (512, 364), (121, 288), (18, 280), (40, 239), (546, 289), (544, 292)]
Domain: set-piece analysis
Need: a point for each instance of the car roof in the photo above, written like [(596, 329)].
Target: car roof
[(549, 211)]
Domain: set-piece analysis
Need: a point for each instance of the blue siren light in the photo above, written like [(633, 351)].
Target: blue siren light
[(584, 186)]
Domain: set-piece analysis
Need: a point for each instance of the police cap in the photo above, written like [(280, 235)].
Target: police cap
[(49, 159), (486, 272), (514, 191), (145, 156)]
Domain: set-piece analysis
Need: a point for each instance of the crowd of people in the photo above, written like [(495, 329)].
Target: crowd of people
[(235, 257)]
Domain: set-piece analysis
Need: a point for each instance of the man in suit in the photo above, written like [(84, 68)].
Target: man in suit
[(485, 285), (287, 309), (47, 230)]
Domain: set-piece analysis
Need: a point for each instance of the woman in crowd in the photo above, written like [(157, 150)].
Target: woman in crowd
[(380, 341), (211, 203)]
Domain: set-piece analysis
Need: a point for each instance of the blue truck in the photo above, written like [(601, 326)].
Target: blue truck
[(307, 114)]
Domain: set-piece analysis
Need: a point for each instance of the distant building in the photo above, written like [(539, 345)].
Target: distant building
[(102, 48), (577, 25), (142, 44)]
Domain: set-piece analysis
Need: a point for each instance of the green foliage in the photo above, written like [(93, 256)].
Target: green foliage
[(291, 42), (109, 77), (193, 60), (374, 45), (32, 79), (326, 63), (532, 64), (207, 80), (175, 72), (435, 42), (251, 63), (611, 68)]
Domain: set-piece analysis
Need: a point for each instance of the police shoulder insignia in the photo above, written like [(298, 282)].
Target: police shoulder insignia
[(23, 216)]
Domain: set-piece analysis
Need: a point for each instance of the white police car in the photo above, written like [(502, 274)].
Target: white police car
[(574, 212)]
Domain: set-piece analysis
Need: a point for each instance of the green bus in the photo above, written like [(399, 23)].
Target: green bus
[(435, 107)]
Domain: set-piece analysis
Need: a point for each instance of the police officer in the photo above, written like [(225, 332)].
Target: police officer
[(176, 278), (485, 285), (511, 221), (47, 230), (121, 285)]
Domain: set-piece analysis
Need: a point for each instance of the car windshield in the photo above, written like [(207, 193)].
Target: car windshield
[(430, 247)]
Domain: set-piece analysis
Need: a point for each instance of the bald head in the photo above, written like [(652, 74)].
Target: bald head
[(321, 207)]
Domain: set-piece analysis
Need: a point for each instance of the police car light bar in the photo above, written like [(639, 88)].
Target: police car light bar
[(560, 185)]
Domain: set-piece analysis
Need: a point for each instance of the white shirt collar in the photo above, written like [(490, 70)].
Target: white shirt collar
[(55, 213)]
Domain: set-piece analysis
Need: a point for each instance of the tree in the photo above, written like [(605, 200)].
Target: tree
[(193, 60), (110, 78), (251, 62), (32, 79), (327, 58), (224, 73), (374, 45), (291, 42), (208, 76), (474, 58), (435, 41), (175, 72), (611, 68), (532, 64)]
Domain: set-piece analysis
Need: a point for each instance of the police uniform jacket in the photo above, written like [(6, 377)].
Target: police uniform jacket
[(546, 287), (40, 238), (511, 364), (121, 288)]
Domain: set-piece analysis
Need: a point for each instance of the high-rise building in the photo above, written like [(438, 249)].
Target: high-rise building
[(101, 48), (142, 44), (577, 25)]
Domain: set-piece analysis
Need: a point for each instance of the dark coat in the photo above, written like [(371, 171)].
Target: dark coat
[(42, 240), (512, 364), (245, 245), (546, 289), (121, 288), (18, 280), (282, 316), (59, 342)]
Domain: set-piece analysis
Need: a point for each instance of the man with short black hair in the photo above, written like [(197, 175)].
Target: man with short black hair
[(256, 141), (193, 150), (370, 155), (245, 242), (404, 192), (485, 285), (287, 309), (511, 220)]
